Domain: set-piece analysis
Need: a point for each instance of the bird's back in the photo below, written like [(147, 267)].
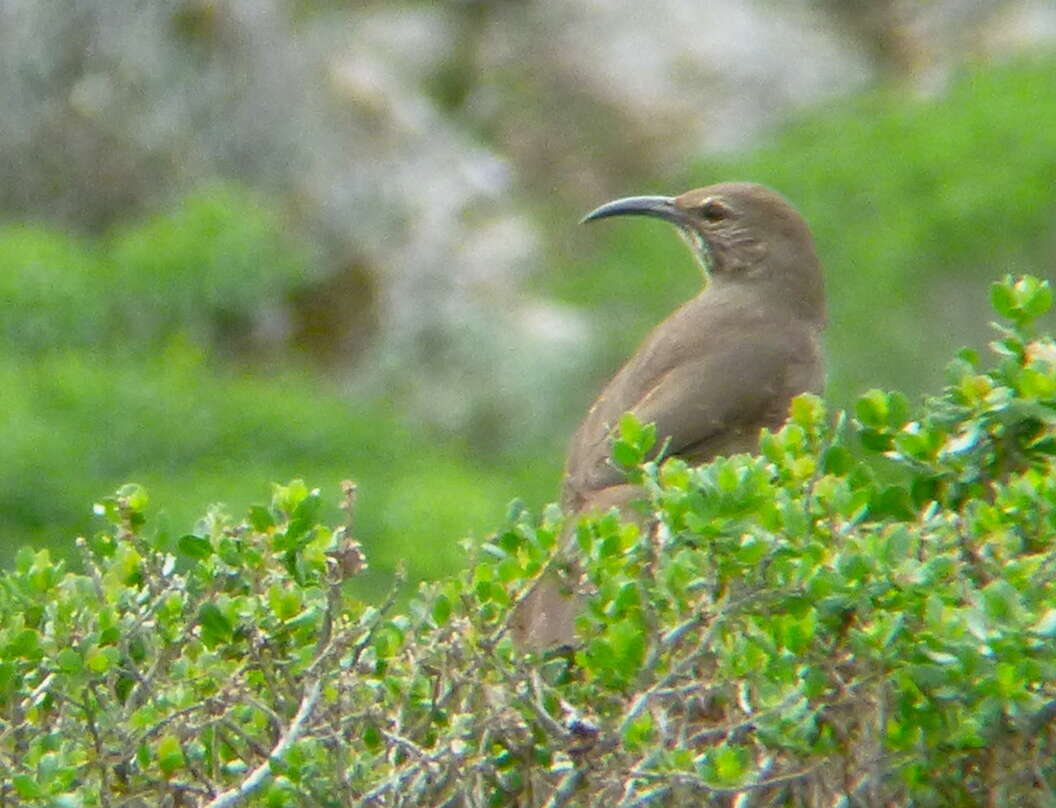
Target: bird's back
[(715, 372)]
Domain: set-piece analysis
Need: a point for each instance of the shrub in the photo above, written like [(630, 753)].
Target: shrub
[(209, 267), (49, 296), (213, 263), (799, 627)]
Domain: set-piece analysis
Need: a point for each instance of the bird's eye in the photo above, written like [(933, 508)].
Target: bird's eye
[(714, 211)]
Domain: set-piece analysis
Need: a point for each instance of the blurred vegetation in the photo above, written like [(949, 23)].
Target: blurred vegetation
[(114, 349), (195, 432), (218, 258), (112, 369), (209, 268)]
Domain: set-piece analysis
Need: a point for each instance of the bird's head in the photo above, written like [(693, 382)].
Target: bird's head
[(738, 231)]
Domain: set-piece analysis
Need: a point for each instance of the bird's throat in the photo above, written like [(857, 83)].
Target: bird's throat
[(700, 249)]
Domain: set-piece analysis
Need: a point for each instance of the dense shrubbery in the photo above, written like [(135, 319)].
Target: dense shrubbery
[(799, 627)]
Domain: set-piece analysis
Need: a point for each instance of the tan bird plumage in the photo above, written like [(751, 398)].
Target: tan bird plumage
[(710, 376)]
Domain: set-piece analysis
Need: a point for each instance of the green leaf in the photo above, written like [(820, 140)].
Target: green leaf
[(285, 602), (24, 560), (837, 460), (441, 609), (1003, 298), (216, 628), (27, 788), (728, 765), (1001, 601), (69, 661), (298, 533), (639, 732), (897, 545), (1039, 302), (628, 642), (287, 497), (897, 409), (169, 754), (134, 496), (1033, 383), (387, 640), (260, 518), (752, 550), (100, 660), (625, 454), (640, 438), (875, 440), (648, 439), (308, 508), (871, 408), (509, 570), (630, 428), (807, 410), (26, 644), (197, 547), (894, 502), (372, 738), (626, 597)]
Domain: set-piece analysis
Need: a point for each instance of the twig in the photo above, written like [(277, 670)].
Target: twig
[(232, 727), (394, 781), (550, 724), (39, 691), (558, 557), (1041, 718), (100, 756), (157, 726), (390, 600), (414, 749), (697, 783), (565, 789), (670, 642), (88, 559), (736, 727), (646, 797), (259, 775), (143, 681)]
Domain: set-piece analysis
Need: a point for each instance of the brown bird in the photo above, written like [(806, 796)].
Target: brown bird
[(710, 376)]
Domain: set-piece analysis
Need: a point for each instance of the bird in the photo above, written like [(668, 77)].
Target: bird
[(720, 368)]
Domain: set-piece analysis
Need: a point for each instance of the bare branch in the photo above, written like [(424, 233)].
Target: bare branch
[(260, 775)]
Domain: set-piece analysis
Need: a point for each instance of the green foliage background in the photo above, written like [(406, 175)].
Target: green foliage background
[(117, 356)]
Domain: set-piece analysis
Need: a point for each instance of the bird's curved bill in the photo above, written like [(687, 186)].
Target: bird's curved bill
[(660, 207)]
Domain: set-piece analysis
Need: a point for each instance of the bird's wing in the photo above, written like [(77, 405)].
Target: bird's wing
[(712, 403), (701, 401)]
